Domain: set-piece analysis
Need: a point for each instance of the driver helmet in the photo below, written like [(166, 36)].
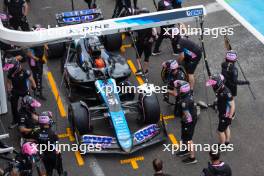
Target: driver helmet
[(29, 103), (99, 63), (183, 88), (231, 56), (216, 81), (29, 149), (45, 118)]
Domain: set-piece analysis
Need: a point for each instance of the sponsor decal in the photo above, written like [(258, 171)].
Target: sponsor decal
[(94, 139), (78, 19), (146, 133), (195, 12)]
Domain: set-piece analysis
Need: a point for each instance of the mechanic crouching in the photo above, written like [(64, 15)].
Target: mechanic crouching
[(28, 118), (46, 136), (17, 86), (174, 72), (188, 119)]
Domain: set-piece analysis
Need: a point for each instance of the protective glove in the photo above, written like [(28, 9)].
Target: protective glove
[(34, 130)]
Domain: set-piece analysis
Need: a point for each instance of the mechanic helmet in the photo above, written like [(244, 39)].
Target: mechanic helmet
[(29, 149), (11, 64), (231, 56), (37, 27), (216, 81), (99, 63), (45, 118), (183, 88), (30, 103), (174, 65)]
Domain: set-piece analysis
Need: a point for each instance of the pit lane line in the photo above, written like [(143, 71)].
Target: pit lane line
[(93, 163)]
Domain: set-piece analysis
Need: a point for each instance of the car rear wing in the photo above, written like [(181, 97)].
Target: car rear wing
[(104, 27), (79, 16)]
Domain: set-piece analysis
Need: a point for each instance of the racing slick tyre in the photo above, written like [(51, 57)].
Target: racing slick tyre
[(56, 50), (79, 118), (150, 109), (164, 75), (113, 42)]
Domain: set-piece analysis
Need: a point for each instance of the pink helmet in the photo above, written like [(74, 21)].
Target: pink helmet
[(174, 65), (29, 148), (45, 118), (231, 56), (182, 87)]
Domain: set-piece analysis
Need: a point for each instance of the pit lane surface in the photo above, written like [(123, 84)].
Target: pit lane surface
[(246, 129)]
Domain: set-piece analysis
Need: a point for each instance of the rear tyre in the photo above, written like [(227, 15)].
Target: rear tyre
[(79, 118), (56, 50), (150, 109), (113, 42)]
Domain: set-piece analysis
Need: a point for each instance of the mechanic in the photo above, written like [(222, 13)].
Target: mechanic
[(216, 167), (18, 9), (225, 106), (46, 136), (176, 4), (188, 118), (175, 72), (17, 86), (164, 5), (28, 151), (190, 55), (36, 57), (120, 4), (230, 72), (91, 4), (158, 168), (144, 42), (28, 117)]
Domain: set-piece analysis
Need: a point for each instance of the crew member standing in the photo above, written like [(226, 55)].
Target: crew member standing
[(120, 4), (164, 5), (36, 61), (225, 106), (188, 119), (18, 9), (230, 72), (144, 42), (17, 86)]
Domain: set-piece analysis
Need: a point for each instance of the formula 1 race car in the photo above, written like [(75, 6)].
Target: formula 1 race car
[(123, 140), (90, 52)]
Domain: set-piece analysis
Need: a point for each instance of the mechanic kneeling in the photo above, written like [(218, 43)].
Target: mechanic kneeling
[(28, 117), (188, 118), (46, 136), (174, 72)]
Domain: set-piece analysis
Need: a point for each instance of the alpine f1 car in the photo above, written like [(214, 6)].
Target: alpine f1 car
[(90, 52), (124, 141)]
